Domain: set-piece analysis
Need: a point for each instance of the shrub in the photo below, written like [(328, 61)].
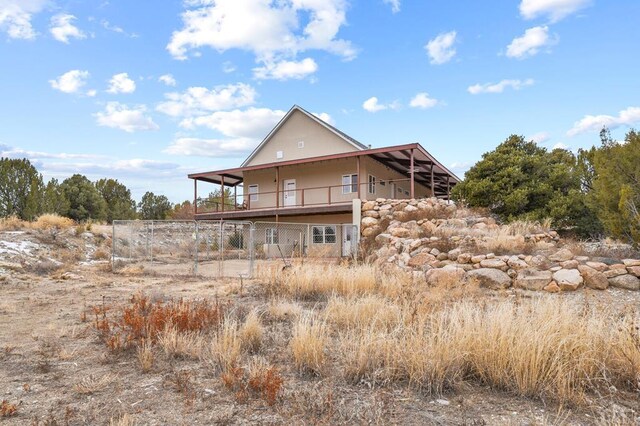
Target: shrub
[(52, 222)]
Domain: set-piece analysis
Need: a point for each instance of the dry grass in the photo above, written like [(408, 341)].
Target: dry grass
[(92, 384), (225, 349), (48, 222), (8, 409), (176, 344), (146, 358), (370, 311), (281, 310), (122, 420), (308, 344), (252, 332)]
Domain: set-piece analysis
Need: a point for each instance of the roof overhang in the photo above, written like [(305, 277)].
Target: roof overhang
[(396, 157)]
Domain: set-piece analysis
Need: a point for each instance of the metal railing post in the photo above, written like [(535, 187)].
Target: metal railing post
[(251, 248), (152, 241), (130, 242)]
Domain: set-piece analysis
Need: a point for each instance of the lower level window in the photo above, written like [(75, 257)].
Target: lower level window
[(271, 236), (324, 234)]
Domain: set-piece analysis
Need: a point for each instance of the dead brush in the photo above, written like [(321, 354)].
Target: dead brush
[(181, 345), (92, 384), (308, 344), (145, 355), (252, 332), (8, 409), (182, 383), (266, 382)]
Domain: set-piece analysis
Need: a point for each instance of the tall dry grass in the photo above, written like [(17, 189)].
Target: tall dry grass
[(308, 343), (45, 222)]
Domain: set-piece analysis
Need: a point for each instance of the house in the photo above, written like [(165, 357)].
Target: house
[(307, 171)]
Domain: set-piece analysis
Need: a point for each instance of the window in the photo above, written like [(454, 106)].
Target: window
[(253, 192), (349, 184), (279, 155), (406, 192), (271, 235), (372, 184), (382, 183), (400, 190), (324, 234), (300, 144)]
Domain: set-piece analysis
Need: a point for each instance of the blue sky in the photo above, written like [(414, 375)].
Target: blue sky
[(148, 91)]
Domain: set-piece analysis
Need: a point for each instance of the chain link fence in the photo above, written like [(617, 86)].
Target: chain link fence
[(224, 248)]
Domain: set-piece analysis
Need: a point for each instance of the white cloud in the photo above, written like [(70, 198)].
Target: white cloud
[(284, 70), (274, 31), (554, 9), (15, 17), (540, 137), (232, 148), (559, 145), (530, 43), (228, 67), (324, 117), (7, 151), (249, 123), (372, 105), (71, 82), (395, 5), (116, 29), (594, 123), (121, 83), (62, 28), (119, 116), (167, 79), (499, 87), (200, 100), (441, 49), (422, 100)]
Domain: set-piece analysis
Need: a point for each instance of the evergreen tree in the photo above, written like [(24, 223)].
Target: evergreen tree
[(85, 202), (20, 189), (154, 207), (119, 204)]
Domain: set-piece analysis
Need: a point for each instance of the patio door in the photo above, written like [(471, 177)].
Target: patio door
[(289, 194), (347, 239)]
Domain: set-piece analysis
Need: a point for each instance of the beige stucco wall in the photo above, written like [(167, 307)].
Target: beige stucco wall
[(318, 140), (372, 167)]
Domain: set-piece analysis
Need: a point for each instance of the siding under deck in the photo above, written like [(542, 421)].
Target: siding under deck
[(281, 212)]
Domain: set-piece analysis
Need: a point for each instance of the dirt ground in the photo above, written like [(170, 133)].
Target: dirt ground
[(50, 354)]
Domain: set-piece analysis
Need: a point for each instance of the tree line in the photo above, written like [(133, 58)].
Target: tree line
[(24, 194), (593, 193)]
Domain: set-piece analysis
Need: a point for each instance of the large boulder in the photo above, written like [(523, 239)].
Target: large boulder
[(383, 238), (400, 232), (494, 263), (598, 266), (446, 276), (593, 278), (568, 279), (419, 260), (561, 255), (628, 282), (516, 263), (489, 278), (634, 270), (631, 262), (532, 279), (369, 221)]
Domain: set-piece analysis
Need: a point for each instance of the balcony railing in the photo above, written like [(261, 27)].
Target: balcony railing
[(299, 197)]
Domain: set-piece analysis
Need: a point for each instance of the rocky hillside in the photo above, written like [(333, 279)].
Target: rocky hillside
[(447, 243)]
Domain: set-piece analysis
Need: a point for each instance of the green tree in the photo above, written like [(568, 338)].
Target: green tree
[(616, 186), (521, 180), (54, 200), (154, 207), (85, 202), (119, 204), (183, 211), (20, 189)]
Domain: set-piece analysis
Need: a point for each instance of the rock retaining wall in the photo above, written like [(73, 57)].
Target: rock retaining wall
[(433, 237)]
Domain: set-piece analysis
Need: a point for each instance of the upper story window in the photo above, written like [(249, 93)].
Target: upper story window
[(253, 192), (279, 155), (349, 184), (372, 184)]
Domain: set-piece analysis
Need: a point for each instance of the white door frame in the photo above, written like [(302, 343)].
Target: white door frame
[(288, 194)]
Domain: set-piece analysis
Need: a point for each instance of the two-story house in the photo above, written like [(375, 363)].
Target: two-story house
[(307, 171)]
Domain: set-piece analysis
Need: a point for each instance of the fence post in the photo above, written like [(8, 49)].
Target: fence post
[(195, 265), (130, 242), (152, 241), (220, 248), (251, 248)]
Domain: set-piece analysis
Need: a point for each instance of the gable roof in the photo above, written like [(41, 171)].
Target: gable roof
[(339, 133)]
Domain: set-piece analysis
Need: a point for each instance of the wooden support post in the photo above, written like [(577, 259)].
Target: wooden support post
[(448, 189), (329, 194), (358, 173), (302, 197), (195, 196), (222, 195), (413, 183), (277, 187), (433, 189), (235, 197)]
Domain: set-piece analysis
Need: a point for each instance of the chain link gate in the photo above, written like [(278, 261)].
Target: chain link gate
[(223, 248)]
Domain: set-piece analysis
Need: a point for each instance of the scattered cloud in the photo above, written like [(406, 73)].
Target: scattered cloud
[(15, 17), (7, 151), (273, 31), (72, 82), (231, 148), (373, 105), (324, 117), (440, 49), (560, 145), (423, 101), (116, 29), (530, 43), (248, 123), (460, 167), (129, 119), (555, 10), (540, 137), (395, 5), (167, 79), (285, 70), (62, 28), (228, 67), (200, 100), (477, 89), (595, 123), (121, 83)]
